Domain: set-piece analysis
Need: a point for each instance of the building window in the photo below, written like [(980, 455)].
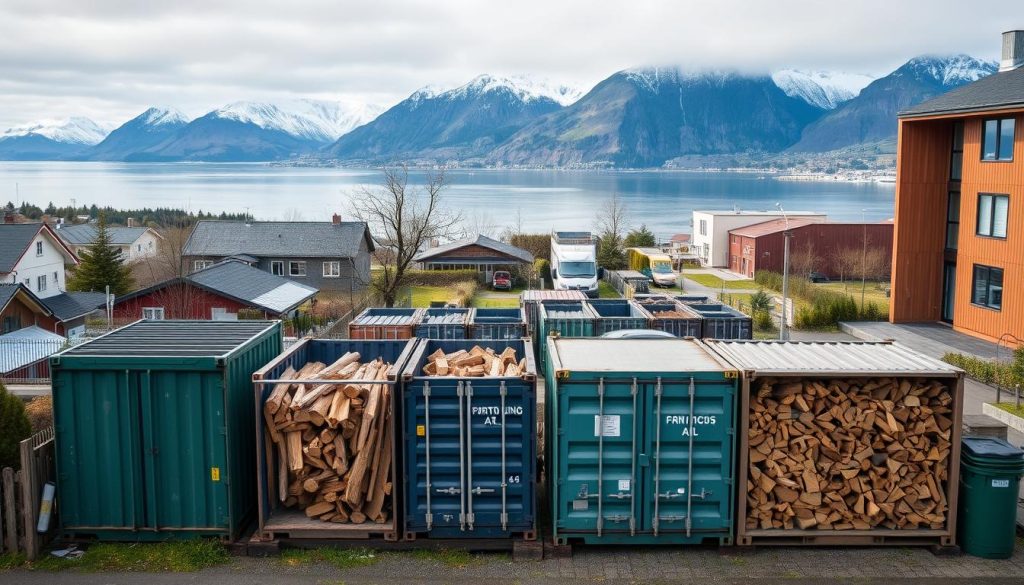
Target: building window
[(997, 139), (39, 248), (297, 268), (150, 245), (138, 247), (201, 264), (992, 210), (56, 281), (11, 323), (956, 159), (277, 267), (28, 283), (988, 287), (41, 282), (332, 269), (703, 227), (153, 313), (953, 220)]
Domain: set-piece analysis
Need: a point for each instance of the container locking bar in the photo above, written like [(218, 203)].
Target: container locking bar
[(426, 435), (633, 390), (658, 390), (470, 516), (459, 392), (689, 462), (600, 455), (504, 477)]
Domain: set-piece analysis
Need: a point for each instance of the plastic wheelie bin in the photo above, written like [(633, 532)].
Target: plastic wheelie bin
[(990, 472)]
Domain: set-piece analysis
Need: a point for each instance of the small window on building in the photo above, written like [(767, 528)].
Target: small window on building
[(703, 227), (28, 283), (39, 248), (277, 267), (953, 220), (138, 247), (332, 269), (956, 159), (987, 290), (41, 282), (997, 139), (297, 268), (56, 281), (992, 212), (11, 323), (153, 313), (150, 245), (201, 264)]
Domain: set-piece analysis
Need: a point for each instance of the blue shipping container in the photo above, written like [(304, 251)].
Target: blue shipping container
[(443, 323), (563, 320), (722, 321), (470, 448), (617, 314), (689, 326), (498, 324)]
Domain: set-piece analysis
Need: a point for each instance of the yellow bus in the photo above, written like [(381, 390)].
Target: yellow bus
[(653, 263)]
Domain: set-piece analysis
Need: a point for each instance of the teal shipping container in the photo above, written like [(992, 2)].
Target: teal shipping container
[(497, 323), (154, 429), (641, 442), (570, 319), (444, 323)]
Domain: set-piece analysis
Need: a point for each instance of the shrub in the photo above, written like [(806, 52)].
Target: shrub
[(440, 277), (826, 310), (543, 268), (872, 312), (761, 301), (462, 293), (1005, 375), (15, 428), (40, 412), (763, 321)]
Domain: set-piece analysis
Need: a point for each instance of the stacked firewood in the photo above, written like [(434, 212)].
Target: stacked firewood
[(849, 454), (672, 314), (334, 439), (477, 362)]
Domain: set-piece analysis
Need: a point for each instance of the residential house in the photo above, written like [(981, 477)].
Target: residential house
[(217, 292), (678, 244), (479, 253), (960, 205), (710, 241), (32, 254), (329, 256), (134, 242), (813, 244)]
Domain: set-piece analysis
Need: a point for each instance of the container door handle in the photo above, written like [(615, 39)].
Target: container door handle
[(600, 455), (503, 390), (481, 490), (451, 491), (632, 478), (658, 390), (689, 462), (426, 435), (459, 392)]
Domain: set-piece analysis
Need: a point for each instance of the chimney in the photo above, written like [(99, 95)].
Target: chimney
[(336, 219), (1013, 50), (131, 222)]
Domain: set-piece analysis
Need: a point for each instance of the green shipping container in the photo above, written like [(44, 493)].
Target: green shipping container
[(641, 436), (568, 319), (154, 429)]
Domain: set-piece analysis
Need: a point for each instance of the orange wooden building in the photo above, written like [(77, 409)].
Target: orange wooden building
[(958, 253)]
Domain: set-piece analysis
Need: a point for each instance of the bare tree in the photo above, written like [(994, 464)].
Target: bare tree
[(611, 221), (804, 259), (480, 222), (166, 266), (403, 219), (292, 214)]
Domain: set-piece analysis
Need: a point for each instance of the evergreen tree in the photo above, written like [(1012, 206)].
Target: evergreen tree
[(640, 238), (101, 265), (16, 428), (610, 254)]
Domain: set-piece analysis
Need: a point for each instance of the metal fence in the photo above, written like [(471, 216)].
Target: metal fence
[(26, 361)]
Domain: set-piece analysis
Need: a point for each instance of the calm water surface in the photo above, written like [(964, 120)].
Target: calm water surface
[(546, 199)]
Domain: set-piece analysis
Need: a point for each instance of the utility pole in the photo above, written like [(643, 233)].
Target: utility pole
[(784, 326), (863, 258)]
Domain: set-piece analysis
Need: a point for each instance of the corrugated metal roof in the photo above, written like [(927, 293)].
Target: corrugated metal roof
[(1003, 90), (535, 295), (27, 346), (635, 355), (828, 358), (172, 339)]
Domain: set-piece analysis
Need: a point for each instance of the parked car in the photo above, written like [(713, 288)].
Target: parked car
[(502, 280), (817, 277)]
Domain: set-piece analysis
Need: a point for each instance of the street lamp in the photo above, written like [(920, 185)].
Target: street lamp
[(863, 258), (783, 327)]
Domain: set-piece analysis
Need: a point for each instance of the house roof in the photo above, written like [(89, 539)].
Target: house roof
[(27, 346), (15, 238), (770, 227), (1001, 91), (302, 239), (680, 238), (9, 290), (242, 283), (480, 240), (71, 305), (85, 234)]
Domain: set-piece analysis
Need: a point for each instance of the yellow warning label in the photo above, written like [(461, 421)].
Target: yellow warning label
[(215, 473), (421, 430), (730, 375)]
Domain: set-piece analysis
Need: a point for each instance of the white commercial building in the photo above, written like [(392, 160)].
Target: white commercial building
[(710, 242)]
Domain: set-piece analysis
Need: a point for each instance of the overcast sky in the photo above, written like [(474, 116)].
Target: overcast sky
[(111, 59)]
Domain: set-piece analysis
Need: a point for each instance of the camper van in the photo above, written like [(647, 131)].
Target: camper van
[(654, 264), (574, 262)]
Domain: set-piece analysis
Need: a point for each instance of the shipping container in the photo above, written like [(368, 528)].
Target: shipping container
[(443, 323), (699, 299), (385, 323), (628, 282), (154, 429), (277, 521), (531, 299), (640, 442), (837, 367), (675, 318), (498, 324), (617, 314), (470, 448), (720, 321), (563, 320)]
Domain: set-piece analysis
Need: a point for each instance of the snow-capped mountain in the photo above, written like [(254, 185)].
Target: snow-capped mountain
[(825, 89), (74, 130), (950, 71), (145, 131), (320, 121), (463, 122)]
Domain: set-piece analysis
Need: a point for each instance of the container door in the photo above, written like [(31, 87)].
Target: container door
[(600, 458), (690, 438), (435, 478), (500, 455), (184, 450)]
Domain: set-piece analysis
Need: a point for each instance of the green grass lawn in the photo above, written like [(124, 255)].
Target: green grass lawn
[(482, 302), (1010, 408), (163, 557), (423, 295), (712, 281), (873, 293), (606, 291)]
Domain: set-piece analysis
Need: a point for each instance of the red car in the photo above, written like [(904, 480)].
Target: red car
[(502, 280)]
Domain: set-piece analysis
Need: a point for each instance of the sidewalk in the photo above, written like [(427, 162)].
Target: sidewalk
[(930, 339)]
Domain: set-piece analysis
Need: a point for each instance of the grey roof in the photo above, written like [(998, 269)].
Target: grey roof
[(301, 239), (480, 240), (70, 305), (7, 292), (14, 240), (173, 339), (828, 358), (85, 234), (1003, 90)]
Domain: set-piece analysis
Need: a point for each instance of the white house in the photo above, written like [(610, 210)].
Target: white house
[(134, 242), (33, 255), (710, 242)]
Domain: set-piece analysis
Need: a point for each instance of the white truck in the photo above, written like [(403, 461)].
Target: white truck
[(574, 262)]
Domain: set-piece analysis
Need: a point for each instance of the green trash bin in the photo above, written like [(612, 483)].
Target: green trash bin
[(990, 471)]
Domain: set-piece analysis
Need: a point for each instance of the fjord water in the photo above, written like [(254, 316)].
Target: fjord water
[(545, 199)]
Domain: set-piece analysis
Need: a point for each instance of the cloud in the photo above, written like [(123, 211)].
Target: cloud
[(110, 59)]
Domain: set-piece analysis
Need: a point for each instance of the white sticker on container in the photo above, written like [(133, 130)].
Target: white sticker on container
[(607, 425), (1000, 483), (623, 485), (681, 490)]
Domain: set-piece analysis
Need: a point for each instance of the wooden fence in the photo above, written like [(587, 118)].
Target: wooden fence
[(21, 493)]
